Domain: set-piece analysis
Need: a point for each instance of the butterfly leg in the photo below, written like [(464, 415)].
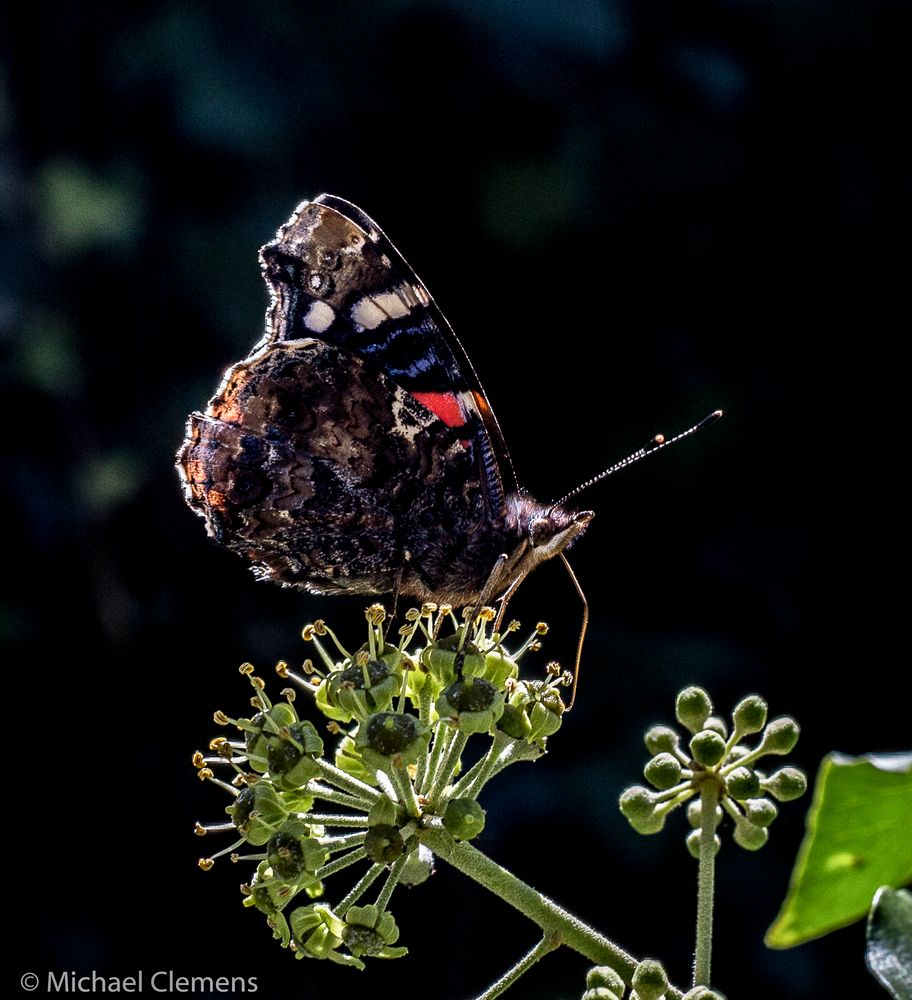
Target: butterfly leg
[(483, 598)]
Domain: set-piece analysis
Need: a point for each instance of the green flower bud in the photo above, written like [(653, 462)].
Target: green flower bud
[(692, 708), (383, 843), (693, 843), (649, 979), (440, 659), (760, 812), (707, 747), (293, 854), (266, 723), (419, 866), (325, 706), (514, 722), (348, 690), (738, 751), (717, 725), (702, 993), (605, 976), (749, 836), (291, 758), (475, 704), (391, 737), (317, 930), (749, 715), (348, 759), (498, 668), (780, 736), (368, 931), (545, 714), (464, 818), (661, 739), (258, 812), (383, 811), (786, 784), (743, 783), (695, 814), (637, 803), (601, 993), (663, 771), (649, 824)]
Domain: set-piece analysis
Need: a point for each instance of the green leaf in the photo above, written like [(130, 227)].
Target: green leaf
[(857, 840), (889, 951)]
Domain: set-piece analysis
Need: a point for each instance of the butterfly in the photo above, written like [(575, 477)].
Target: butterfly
[(354, 451)]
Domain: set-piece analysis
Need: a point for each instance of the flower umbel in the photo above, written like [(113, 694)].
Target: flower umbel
[(403, 713)]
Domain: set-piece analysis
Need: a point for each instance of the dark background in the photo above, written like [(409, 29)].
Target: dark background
[(632, 213)]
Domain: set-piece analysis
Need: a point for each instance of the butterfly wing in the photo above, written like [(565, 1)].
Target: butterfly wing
[(326, 474), (334, 274)]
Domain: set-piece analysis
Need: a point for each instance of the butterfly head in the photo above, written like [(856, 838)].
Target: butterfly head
[(546, 531)]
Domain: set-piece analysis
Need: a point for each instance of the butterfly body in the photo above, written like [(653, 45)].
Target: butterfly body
[(354, 450)]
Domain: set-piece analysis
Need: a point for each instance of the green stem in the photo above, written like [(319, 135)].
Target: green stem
[(554, 921), (337, 798), (471, 783), (446, 768), (339, 864), (442, 736), (405, 791), (392, 881), (359, 888), (336, 844), (547, 944), (333, 819), (336, 776), (706, 877)]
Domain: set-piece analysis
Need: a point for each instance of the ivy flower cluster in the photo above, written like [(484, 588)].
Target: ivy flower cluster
[(716, 769), (402, 714)]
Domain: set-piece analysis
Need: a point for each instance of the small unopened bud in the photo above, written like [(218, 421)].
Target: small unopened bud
[(663, 771), (419, 866), (649, 979), (383, 843), (749, 836), (761, 812), (636, 802), (749, 715), (692, 708), (717, 724), (693, 843), (707, 747), (640, 811), (604, 976), (661, 739), (743, 783), (695, 814), (786, 784), (780, 736), (464, 818)]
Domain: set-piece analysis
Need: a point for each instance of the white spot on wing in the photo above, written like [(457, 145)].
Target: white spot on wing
[(372, 310), (319, 317)]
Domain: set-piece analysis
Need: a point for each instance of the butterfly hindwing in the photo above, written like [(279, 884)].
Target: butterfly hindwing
[(327, 475)]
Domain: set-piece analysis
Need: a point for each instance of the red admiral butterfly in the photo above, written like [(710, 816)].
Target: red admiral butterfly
[(354, 450)]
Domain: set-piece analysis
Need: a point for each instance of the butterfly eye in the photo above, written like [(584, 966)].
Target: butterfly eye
[(540, 530)]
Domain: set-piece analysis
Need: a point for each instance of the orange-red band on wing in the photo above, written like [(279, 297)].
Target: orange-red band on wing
[(445, 405)]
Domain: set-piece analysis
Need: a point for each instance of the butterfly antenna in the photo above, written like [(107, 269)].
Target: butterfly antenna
[(583, 627), (656, 444)]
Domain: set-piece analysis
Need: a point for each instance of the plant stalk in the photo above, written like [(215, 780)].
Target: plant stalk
[(544, 946), (706, 878), (555, 922)]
